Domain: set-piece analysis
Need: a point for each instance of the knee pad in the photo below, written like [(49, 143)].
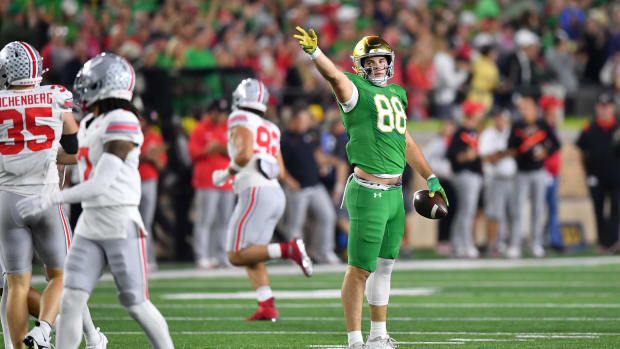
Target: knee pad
[(378, 283)]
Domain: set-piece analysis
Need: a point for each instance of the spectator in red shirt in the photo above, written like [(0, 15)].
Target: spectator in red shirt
[(153, 159), (207, 149)]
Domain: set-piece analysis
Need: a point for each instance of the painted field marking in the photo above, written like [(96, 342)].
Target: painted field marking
[(444, 264), (392, 305), (516, 334), (489, 340), (304, 294), (556, 336), (440, 319)]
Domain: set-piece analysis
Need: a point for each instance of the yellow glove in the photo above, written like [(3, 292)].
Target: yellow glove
[(308, 41)]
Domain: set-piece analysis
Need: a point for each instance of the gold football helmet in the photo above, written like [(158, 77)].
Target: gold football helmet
[(371, 46)]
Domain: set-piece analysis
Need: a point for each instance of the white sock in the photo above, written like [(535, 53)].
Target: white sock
[(355, 337), (377, 329), (263, 293), (90, 332), (46, 327), (274, 251), (5, 324), (153, 324), (72, 304)]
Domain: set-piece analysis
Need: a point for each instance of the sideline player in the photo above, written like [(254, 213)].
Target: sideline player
[(379, 146), (256, 162), (110, 229), (36, 120)]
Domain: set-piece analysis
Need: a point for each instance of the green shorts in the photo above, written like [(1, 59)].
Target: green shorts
[(377, 224)]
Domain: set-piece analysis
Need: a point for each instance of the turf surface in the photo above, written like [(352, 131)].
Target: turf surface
[(574, 306)]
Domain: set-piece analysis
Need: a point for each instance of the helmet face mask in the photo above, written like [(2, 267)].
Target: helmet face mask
[(104, 76), (373, 46), (20, 65), (252, 94)]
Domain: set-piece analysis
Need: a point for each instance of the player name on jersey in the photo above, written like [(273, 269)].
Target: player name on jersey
[(29, 99)]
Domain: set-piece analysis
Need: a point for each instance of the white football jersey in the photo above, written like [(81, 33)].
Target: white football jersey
[(30, 130), (93, 133), (266, 145)]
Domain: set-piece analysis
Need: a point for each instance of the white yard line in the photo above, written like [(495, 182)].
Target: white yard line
[(392, 305), (433, 319), (434, 333), (201, 284), (302, 294), (444, 264)]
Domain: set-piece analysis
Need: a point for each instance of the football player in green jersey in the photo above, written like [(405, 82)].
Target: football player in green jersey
[(379, 147)]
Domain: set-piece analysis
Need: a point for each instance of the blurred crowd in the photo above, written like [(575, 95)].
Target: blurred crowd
[(446, 50), (455, 59)]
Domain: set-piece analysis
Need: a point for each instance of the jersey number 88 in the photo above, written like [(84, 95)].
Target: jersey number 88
[(390, 114)]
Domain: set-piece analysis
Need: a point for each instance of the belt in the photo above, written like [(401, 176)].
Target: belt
[(367, 184)]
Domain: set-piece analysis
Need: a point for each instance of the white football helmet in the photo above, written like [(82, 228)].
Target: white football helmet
[(104, 76), (20, 64), (250, 93)]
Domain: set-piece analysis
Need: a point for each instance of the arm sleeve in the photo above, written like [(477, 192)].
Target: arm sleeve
[(123, 125), (238, 120), (453, 149), (553, 138), (107, 169), (196, 144), (485, 144), (513, 140), (69, 143), (352, 102), (63, 98), (582, 141)]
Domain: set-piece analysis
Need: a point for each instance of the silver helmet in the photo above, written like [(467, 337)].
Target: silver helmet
[(20, 64), (104, 76), (250, 93)]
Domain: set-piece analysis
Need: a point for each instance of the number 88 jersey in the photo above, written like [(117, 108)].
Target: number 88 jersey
[(266, 145), (30, 129), (376, 124)]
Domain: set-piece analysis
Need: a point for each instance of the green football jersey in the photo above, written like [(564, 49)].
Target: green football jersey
[(376, 127)]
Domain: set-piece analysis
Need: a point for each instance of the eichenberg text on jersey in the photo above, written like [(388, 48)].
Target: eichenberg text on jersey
[(16, 101)]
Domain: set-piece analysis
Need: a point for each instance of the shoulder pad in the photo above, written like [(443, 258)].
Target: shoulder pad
[(62, 98)]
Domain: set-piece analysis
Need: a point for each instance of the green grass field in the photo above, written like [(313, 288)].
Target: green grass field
[(552, 303)]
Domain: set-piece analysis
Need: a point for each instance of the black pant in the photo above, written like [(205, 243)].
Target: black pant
[(445, 223), (606, 225)]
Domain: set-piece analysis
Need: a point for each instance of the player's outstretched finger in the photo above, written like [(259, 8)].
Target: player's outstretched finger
[(301, 30), (312, 34)]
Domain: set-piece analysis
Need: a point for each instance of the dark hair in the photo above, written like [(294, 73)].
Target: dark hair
[(109, 104)]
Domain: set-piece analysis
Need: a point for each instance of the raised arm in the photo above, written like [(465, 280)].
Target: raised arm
[(341, 85)]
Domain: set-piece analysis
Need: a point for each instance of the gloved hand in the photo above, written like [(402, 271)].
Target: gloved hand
[(34, 205), (435, 187), (220, 177), (308, 41)]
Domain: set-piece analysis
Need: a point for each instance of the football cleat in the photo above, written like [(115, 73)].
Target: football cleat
[(102, 344), (513, 253), (36, 338), (538, 251), (266, 311), (358, 345), (297, 252), (381, 343)]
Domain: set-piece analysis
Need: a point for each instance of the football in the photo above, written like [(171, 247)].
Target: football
[(429, 207)]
